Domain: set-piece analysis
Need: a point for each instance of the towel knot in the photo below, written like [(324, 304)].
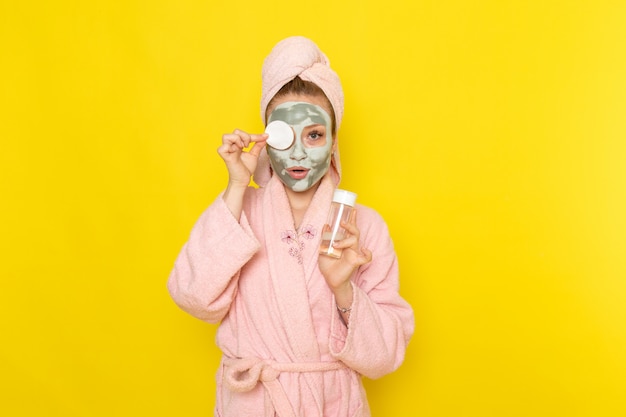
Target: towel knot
[(243, 374)]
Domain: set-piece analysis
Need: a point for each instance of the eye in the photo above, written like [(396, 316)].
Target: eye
[(316, 134)]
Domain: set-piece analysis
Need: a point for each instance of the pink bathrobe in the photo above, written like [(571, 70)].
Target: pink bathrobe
[(286, 351)]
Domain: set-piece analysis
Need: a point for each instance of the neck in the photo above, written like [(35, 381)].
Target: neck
[(299, 202)]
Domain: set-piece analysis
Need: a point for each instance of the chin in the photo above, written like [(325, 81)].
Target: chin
[(300, 187)]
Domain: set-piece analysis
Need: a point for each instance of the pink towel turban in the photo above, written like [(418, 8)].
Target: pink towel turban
[(293, 57)]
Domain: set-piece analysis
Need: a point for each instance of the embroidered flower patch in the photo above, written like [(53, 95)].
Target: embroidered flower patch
[(292, 238)]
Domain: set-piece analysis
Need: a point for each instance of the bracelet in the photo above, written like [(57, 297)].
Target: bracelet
[(344, 310)]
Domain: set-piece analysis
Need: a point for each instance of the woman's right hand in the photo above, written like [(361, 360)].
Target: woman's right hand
[(241, 164)]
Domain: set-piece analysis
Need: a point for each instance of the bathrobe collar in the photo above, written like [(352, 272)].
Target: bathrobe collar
[(293, 256)]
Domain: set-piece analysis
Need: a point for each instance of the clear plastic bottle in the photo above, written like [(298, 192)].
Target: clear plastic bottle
[(340, 210)]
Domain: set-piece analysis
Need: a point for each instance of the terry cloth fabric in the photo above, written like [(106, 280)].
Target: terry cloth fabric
[(298, 56), (243, 375), (285, 350), (292, 57)]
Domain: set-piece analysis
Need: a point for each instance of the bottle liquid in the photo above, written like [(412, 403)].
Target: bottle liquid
[(340, 210)]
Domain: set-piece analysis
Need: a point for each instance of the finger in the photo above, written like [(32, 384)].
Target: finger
[(351, 228), (259, 138), (244, 136), (353, 217), (238, 137), (350, 241), (367, 255), (233, 139), (364, 257), (227, 149), (258, 146)]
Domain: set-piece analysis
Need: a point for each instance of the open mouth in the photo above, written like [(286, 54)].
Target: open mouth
[(297, 173)]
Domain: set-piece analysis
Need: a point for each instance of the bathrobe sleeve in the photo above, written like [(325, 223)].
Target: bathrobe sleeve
[(381, 321), (204, 279)]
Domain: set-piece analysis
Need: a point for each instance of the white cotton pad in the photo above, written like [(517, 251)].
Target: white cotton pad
[(281, 135)]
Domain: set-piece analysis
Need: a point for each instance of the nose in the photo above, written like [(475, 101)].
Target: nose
[(298, 153)]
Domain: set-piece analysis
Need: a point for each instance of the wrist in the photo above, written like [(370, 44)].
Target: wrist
[(343, 295), (233, 198), (237, 185)]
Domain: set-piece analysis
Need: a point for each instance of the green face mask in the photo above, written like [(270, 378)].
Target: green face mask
[(306, 161)]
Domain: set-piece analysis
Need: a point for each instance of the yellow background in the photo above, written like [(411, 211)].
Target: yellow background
[(491, 135)]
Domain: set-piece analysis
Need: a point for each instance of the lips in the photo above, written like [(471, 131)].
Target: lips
[(297, 173)]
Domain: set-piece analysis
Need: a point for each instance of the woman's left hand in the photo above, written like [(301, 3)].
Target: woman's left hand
[(337, 272)]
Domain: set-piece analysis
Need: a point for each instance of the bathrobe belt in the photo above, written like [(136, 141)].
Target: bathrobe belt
[(243, 374)]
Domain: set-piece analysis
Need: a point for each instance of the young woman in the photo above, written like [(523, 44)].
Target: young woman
[(298, 330)]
